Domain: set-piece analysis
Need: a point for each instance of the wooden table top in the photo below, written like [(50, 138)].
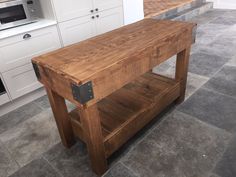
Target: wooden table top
[(89, 58)]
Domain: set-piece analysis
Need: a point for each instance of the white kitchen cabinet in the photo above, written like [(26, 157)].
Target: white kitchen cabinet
[(21, 80), (102, 5), (82, 28), (19, 50), (78, 29), (69, 9), (109, 20)]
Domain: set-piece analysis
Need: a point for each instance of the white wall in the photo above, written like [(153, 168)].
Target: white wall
[(133, 11), (224, 4)]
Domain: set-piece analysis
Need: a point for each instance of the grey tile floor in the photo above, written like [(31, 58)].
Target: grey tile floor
[(194, 139)]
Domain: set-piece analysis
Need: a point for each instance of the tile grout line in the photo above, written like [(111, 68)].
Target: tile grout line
[(136, 174), (222, 94), (12, 158), (54, 168), (222, 155)]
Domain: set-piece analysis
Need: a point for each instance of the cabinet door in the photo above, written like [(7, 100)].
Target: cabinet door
[(109, 20), (106, 4), (19, 50), (76, 30), (69, 9), (21, 81)]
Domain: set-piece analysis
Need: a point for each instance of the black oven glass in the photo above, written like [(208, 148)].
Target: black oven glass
[(12, 14), (2, 88)]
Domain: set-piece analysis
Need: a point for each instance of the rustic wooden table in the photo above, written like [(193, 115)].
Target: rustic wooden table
[(109, 79)]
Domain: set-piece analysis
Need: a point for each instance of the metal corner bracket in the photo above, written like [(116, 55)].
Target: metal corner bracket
[(82, 93)]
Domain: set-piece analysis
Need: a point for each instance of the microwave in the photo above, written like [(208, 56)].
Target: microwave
[(15, 13)]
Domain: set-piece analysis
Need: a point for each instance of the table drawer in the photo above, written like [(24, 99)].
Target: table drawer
[(19, 50), (21, 80)]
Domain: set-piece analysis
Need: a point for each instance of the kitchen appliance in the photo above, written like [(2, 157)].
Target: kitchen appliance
[(2, 88), (18, 12)]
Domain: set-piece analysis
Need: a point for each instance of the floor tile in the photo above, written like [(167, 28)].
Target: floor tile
[(213, 108), (194, 82), (37, 168), (167, 68), (17, 116), (43, 102), (72, 162), (209, 32), (7, 164), (208, 16), (30, 139), (232, 62), (213, 175), (224, 81), (119, 170), (205, 64), (180, 146), (224, 20), (226, 167)]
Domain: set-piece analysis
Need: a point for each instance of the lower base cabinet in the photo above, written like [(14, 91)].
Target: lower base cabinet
[(17, 51), (21, 81)]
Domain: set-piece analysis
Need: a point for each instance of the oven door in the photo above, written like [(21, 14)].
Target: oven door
[(14, 13)]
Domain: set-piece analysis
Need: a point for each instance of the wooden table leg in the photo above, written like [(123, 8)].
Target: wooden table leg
[(92, 130), (60, 112), (181, 72)]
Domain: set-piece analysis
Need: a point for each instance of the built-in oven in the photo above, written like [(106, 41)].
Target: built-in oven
[(2, 88), (18, 12), (3, 94)]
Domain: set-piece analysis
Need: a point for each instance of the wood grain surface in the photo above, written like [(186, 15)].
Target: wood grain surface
[(114, 59)]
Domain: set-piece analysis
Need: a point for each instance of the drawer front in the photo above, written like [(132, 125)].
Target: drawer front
[(19, 50), (77, 30), (21, 80)]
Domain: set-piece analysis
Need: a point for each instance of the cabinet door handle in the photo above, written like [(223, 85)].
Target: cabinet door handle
[(93, 17), (97, 16), (96, 9), (27, 36), (91, 11)]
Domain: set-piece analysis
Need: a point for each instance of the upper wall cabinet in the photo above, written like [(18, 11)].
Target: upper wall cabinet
[(101, 5), (69, 9), (109, 20)]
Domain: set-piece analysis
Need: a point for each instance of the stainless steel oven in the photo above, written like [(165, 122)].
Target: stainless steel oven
[(18, 12)]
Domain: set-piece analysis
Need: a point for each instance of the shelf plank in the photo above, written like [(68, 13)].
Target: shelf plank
[(130, 108)]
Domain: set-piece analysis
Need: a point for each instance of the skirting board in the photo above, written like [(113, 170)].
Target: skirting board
[(8, 107)]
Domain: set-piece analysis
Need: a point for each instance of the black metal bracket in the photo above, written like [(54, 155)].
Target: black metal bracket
[(36, 70), (82, 93)]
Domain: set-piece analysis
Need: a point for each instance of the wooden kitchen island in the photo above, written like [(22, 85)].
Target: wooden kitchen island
[(109, 79)]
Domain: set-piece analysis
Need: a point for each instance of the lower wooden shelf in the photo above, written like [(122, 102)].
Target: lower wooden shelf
[(130, 108)]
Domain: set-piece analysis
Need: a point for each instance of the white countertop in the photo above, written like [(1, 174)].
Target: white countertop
[(42, 23)]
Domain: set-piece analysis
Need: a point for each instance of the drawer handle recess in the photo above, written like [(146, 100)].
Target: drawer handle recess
[(27, 36)]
